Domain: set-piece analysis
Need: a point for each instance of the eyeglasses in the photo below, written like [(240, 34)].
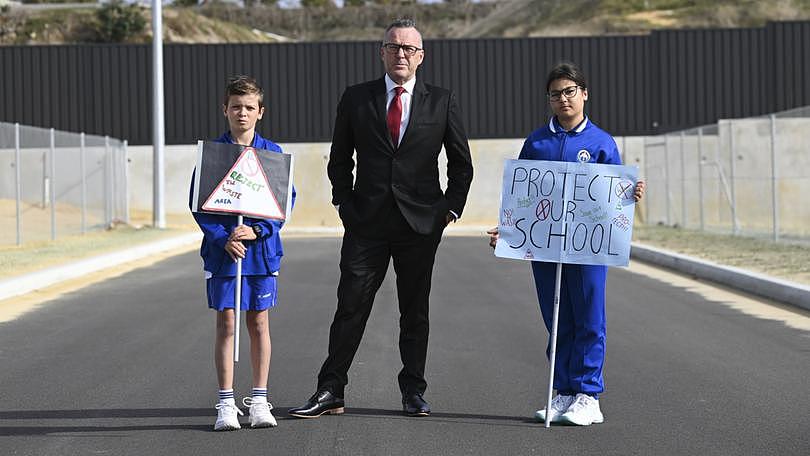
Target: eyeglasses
[(393, 48), (569, 92)]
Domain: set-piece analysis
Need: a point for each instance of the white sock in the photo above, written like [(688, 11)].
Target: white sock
[(226, 397), (259, 395)]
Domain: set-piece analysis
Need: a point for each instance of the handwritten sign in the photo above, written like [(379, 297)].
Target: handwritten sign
[(236, 179), (566, 212)]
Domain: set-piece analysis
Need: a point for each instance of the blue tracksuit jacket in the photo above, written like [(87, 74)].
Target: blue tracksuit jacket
[(581, 322), (263, 256)]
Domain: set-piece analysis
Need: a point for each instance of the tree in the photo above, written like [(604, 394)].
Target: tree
[(117, 22)]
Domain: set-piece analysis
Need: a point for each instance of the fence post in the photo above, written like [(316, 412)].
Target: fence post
[(84, 182), (17, 180), (107, 179), (700, 178), (667, 178), (683, 182), (624, 148), (774, 191), (126, 181), (648, 216), (52, 187), (45, 186), (734, 224)]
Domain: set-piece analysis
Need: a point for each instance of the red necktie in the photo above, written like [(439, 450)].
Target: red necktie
[(394, 118)]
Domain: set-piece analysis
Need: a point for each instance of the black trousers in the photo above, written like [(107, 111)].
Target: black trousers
[(364, 261)]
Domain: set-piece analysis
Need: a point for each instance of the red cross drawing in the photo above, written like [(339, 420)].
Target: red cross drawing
[(543, 209)]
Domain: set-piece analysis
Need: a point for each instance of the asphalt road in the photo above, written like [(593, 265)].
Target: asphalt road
[(124, 368)]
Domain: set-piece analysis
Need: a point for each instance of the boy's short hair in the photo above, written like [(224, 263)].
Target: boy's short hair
[(566, 70), (243, 85)]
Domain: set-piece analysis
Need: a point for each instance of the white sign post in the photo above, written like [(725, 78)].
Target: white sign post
[(565, 212), (239, 180), (237, 302)]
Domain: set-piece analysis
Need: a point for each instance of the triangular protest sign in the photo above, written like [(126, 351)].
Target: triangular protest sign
[(245, 190), (242, 180)]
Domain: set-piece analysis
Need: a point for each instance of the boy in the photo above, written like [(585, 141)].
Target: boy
[(258, 244)]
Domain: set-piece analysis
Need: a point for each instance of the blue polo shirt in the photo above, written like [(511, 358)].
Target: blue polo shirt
[(263, 256)]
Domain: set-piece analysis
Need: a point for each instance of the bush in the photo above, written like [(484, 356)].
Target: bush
[(58, 1), (117, 22), (317, 3)]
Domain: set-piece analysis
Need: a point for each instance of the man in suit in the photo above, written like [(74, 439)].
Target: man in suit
[(394, 208)]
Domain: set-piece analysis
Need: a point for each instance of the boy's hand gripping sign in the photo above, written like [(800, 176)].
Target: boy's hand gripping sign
[(241, 180), (566, 212)]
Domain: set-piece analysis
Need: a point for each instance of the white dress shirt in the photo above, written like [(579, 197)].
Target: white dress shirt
[(406, 102)]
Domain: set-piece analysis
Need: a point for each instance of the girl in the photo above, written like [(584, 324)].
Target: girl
[(571, 136)]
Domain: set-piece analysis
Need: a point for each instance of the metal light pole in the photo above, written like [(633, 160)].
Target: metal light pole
[(158, 207)]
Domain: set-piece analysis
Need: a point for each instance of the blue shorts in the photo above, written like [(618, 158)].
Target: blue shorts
[(258, 292)]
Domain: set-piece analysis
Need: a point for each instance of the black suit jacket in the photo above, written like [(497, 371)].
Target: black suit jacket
[(410, 173)]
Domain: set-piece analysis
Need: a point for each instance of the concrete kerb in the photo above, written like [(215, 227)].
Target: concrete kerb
[(758, 284), (51, 276)]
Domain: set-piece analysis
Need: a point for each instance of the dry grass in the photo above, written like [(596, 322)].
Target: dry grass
[(38, 255), (39, 252), (789, 261)]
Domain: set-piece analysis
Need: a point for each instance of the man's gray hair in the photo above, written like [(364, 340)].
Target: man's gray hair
[(399, 23)]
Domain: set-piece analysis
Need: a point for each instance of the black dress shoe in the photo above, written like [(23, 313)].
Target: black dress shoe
[(414, 405), (320, 403)]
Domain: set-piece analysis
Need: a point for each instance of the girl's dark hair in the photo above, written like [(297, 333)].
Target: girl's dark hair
[(566, 70)]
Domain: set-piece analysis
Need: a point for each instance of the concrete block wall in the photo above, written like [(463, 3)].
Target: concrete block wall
[(313, 209), (675, 200), (732, 168)]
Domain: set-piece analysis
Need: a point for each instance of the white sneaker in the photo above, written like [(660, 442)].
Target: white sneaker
[(559, 405), (584, 411), (226, 417), (260, 416)]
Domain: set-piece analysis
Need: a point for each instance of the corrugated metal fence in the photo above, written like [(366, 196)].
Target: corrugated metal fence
[(639, 85)]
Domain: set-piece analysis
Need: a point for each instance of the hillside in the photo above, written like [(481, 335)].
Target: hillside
[(221, 23), (180, 25)]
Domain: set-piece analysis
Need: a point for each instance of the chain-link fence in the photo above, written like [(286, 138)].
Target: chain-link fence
[(741, 176), (55, 183)]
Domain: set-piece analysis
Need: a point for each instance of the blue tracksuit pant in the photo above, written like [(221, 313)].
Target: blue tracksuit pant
[(581, 327)]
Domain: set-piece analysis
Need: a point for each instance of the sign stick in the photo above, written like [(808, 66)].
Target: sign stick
[(237, 307), (241, 181), (553, 351)]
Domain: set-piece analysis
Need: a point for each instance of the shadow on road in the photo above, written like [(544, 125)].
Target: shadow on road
[(19, 415), (461, 418), (22, 415), (78, 430), (103, 413)]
